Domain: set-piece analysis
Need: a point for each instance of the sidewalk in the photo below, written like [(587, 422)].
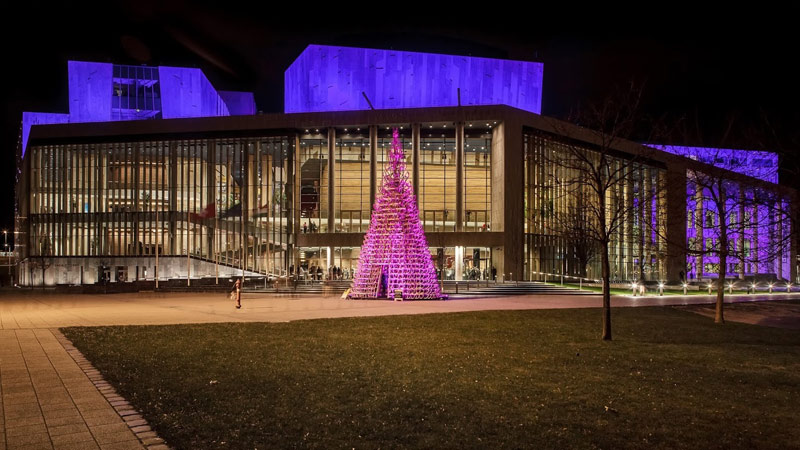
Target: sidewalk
[(49, 402), (54, 311)]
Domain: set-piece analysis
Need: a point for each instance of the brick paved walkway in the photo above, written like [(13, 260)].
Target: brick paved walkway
[(51, 398)]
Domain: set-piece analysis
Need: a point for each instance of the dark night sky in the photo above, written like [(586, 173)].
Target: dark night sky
[(710, 66)]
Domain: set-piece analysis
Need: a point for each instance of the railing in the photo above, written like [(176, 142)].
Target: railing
[(562, 277)]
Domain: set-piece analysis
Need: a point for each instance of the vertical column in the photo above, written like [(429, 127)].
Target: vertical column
[(460, 176), (134, 217), (245, 189), (373, 163), (507, 171), (742, 227), (416, 139), (675, 214), (647, 216), (293, 254), (211, 196), (171, 216), (698, 231), (331, 177)]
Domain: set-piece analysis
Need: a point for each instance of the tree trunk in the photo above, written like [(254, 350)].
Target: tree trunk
[(606, 295), (723, 262)]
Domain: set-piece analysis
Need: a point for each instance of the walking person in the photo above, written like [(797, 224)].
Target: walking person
[(236, 293)]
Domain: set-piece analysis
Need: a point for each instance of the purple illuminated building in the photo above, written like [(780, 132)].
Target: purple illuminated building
[(191, 173), (326, 78), (103, 92)]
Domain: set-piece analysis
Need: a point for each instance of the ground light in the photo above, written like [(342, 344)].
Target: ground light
[(770, 288), (753, 287), (633, 289), (730, 288), (684, 288), (709, 288), (788, 287), (660, 288)]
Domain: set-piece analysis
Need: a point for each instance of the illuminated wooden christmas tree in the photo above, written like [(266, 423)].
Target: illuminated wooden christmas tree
[(395, 254)]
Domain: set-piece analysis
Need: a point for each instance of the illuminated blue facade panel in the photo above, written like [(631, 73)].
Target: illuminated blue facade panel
[(239, 103), (90, 91), (188, 93), (325, 78), (96, 94), (756, 164)]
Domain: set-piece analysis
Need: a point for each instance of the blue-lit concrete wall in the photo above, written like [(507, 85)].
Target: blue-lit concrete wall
[(90, 89), (756, 164), (325, 78), (184, 93), (35, 118), (188, 93), (239, 103)]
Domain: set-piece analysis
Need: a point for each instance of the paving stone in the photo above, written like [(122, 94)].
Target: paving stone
[(61, 421), (126, 445), (22, 421), (110, 438), (27, 439), (77, 446), (136, 423), (26, 429), (140, 429), (67, 429), (84, 436)]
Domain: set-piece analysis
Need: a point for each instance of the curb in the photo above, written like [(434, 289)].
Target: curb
[(137, 424)]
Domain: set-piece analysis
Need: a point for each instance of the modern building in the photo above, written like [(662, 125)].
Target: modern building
[(216, 191)]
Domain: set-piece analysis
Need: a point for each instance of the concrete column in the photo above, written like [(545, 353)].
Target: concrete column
[(211, 190), (170, 216), (293, 254), (647, 213), (331, 177), (675, 215), (459, 251), (373, 164), (459, 176), (416, 134), (508, 174), (699, 227), (741, 226)]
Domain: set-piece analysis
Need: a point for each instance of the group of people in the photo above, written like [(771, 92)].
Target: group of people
[(312, 229)]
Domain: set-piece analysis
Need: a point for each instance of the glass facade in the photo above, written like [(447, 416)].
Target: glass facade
[(352, 182), (284, 201), (218, 200), (437, 177), (638, 243)]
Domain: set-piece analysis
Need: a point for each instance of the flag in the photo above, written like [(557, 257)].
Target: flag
[(261, 211), (209, 212), (233, 211)]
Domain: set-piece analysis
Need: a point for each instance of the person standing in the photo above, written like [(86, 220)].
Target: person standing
[(236, 293)]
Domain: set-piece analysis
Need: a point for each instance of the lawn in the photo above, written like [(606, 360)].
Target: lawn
[(507, 379)]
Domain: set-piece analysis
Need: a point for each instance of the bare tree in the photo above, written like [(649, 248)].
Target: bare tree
[(730, 217), (592, 178)]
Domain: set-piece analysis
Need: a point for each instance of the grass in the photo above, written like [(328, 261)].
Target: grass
[(507, 379)]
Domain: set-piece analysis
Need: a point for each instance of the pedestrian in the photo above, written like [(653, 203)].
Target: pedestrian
[(236, 293), (494, 273), (305, 227)]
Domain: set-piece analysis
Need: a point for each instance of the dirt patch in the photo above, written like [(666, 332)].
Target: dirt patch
[(780, 314)]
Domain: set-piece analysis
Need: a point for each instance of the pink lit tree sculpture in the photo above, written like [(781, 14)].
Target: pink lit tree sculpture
[(395, 254)]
